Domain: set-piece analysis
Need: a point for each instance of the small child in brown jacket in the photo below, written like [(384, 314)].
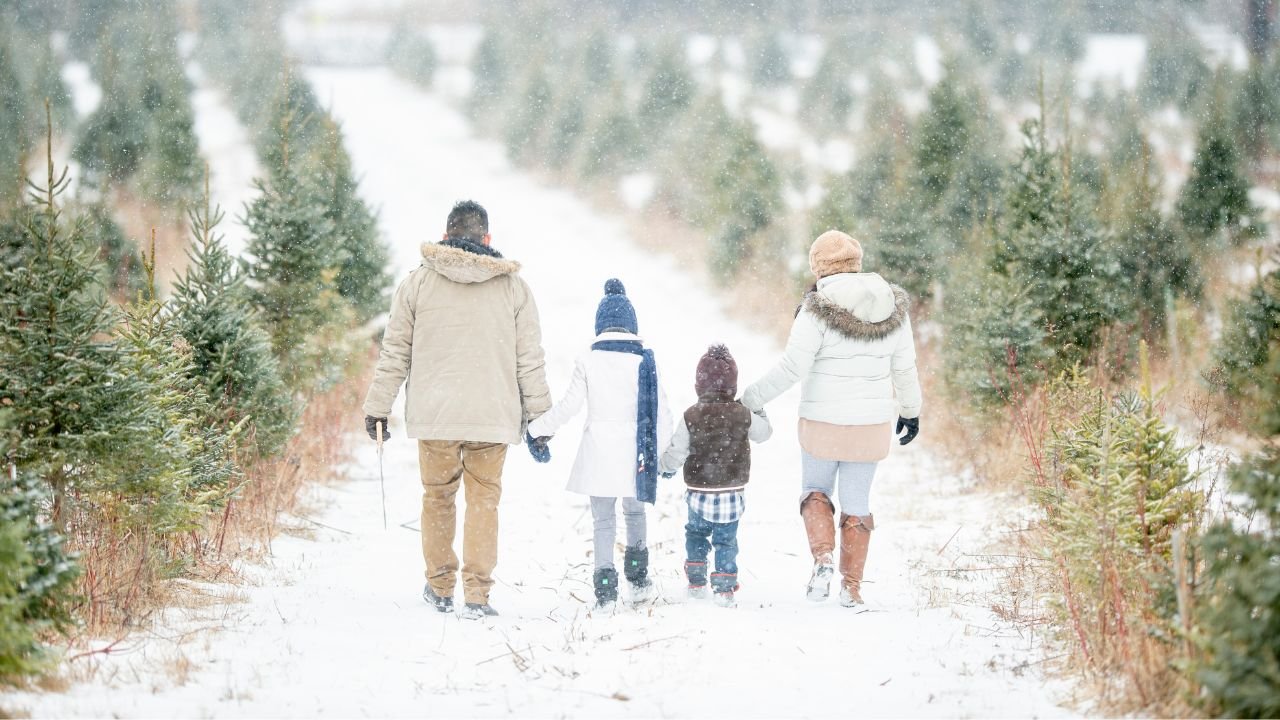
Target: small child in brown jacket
[(713, 444)]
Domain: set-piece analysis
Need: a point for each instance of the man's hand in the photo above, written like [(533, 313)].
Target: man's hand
[(539, 448), (912, 426), (371, 427)]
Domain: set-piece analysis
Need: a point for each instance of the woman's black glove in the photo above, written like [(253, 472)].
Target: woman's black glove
[(912, 426), (371, 426), (539, 448)]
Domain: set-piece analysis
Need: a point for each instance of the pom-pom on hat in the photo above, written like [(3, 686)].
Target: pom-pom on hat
[(717, 373), (833, 253), (615, 310)]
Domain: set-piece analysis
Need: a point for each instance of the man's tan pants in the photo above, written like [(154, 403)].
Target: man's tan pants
[(445, 465)]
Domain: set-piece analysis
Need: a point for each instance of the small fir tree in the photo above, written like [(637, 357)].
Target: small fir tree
[(1216, 197), (293, 273), (668, 93), (1049, 242), (1158, 262), (1252, 328), (37, 575), (363, 279), (230, 352), (528, 121), (746, 194), (490, 72)]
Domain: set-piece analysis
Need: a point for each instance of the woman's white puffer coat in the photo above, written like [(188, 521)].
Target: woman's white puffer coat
[(852, 350)]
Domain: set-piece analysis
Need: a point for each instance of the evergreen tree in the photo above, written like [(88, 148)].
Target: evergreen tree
[(1216, 196), (294, 268), (363, 278), (490, 74), (1254, 112), (187, 470), (1049, 242), (567, 131), (994, 344), (613, 141), (115, 136), (827, 99), (746, 194), (230, 353), (169, 171), (668, 93), (944, 134), (293, 126), (1239, 608), (528, 120), (1250, 332), (37, 575), (1159, 264), (1239, 615)]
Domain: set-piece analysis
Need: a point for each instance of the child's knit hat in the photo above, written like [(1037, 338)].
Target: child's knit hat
[(717, 373), (615, 310)]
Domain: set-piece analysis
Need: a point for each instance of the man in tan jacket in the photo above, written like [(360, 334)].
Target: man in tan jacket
[(464, 333)]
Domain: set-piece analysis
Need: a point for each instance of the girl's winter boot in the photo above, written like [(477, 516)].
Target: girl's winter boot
[(606, 582), (855, 540), (635, 561), (697, 574)]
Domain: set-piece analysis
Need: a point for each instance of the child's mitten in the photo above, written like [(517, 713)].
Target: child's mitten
[(539, 448)]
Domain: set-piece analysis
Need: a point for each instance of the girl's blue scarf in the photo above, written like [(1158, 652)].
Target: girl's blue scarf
[(646, 417)]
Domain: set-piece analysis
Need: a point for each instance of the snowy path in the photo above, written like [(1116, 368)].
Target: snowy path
[(334, 626)]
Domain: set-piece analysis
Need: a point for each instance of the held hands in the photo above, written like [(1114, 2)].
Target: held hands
[(371, 427), (911, 425), (539, 448)]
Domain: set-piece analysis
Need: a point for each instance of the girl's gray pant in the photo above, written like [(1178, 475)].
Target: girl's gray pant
[(850, 482), (606, 525)]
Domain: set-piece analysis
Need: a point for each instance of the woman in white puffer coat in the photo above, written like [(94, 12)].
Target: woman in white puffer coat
[(852, 350)]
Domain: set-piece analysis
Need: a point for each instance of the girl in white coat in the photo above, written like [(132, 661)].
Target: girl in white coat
[(852, 351), (628, 421)]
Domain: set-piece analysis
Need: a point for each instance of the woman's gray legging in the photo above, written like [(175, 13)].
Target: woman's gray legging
[(852, 478), (606, 524)]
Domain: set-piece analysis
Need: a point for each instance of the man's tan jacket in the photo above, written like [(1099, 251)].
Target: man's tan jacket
[(464, 333)]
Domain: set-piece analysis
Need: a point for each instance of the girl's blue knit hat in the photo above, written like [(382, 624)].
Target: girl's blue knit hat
[(615, 309)]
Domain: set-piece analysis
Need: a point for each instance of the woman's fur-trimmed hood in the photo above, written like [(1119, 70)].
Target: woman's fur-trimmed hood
[(859, 306), (466, 262)]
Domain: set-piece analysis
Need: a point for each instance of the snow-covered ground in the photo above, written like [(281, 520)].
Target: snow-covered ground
[(333, 625)]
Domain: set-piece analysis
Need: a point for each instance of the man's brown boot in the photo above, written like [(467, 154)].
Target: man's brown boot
[(820, 526), (855, 538)]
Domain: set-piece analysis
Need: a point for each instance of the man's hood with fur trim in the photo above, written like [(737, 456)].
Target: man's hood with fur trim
[(860, 306), (466, 265)]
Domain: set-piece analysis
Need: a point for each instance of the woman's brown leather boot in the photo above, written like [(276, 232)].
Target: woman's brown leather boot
[(819, 524), (855, 538)]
